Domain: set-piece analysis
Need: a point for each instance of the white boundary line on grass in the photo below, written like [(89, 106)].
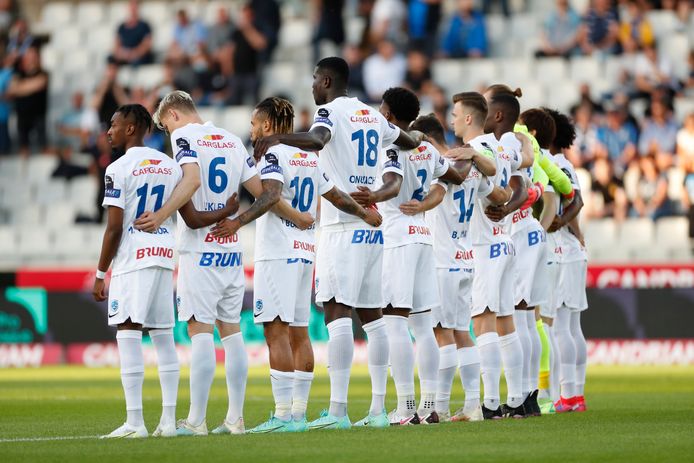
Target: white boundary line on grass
[(43, 439)]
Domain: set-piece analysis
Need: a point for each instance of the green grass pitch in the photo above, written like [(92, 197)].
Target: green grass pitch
[(635, 414)]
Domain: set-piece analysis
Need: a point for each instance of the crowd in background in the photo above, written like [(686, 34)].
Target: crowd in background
[(629, 159)]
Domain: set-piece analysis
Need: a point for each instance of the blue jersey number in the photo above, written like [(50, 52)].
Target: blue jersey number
[(217, 179), (367, 146), (504, 178), (303, 193), (419, 192), (157, 190), (465, 210)]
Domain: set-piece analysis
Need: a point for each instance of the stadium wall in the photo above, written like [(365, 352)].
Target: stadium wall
[(637, 315)]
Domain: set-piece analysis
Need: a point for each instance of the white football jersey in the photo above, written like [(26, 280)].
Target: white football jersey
[(520, 220), (482, 230), (224, 166), (140, 181), (451, 219), (554, 242), (417, 167), (572, 251), (303, 183), (351, 156)]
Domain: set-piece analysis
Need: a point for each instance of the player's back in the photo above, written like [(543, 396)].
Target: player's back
[(142, 180), (350, 159), (224, 166)]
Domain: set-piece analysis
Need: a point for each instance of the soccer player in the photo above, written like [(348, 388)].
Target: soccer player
[(454, 257), (284, 255), (141, 293), (210, 278), (571, 288), (349, 135)]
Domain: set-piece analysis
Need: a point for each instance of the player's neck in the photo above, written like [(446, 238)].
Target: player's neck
[(472, 133), (502, 129), (139, 143), (404, 126)]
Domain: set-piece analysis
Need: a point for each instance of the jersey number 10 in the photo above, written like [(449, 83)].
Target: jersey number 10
[(303, 193)]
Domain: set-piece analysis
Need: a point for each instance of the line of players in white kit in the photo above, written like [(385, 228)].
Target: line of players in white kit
[(458, 242)]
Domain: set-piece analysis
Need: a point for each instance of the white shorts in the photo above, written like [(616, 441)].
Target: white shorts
[(144, 296), (209, 292), (492, 285), (409, 277), (455, 291), (348, 267), (572, 285), (530, 266), (282, 288), (549, 310)]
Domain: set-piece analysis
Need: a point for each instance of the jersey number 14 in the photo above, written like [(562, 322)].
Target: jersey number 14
[(465, 210)]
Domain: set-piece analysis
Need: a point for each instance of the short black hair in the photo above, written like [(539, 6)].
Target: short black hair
[(139, 115), (509, 103), (542, 123), (336, 67), (566, 131), (403, 103), (430, 126)]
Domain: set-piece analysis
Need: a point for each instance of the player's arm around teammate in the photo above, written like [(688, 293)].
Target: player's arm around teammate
[(198, 219)]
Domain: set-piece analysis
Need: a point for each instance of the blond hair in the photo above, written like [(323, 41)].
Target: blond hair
[(178, 99)]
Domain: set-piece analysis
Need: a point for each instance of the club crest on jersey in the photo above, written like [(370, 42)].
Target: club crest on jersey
[(109, 190), (150, 162), (114, 307), (258, 307)]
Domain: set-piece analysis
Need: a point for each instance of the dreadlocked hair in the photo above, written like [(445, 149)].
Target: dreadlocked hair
[(565, 129), (139, 116), (279, 112)]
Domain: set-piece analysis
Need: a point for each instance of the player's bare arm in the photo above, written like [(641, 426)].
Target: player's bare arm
[(575, 228), (527, 150), (267, 194), (499, 195), (151, 221), (409, 140), (549, 210), (453, 176), (390, 189), (197, 219), (429, 202), (314, 140), (302, 220), (570, 212), (346, 203), (109, 246), (518, 197)]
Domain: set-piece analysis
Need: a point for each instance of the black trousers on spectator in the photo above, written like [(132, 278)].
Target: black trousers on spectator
[(28, 124), (5, 142), (244, 87)]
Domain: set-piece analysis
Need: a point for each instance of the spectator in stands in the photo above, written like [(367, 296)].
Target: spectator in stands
[(248, 43), (635, 32), (6, 74), (585, 98), (600, 29), (609, 192), (133, 39), (19, 40), (72, 136), (582, 152), (219, 45), (267, 21), (355, 59), (685, 158), (652, 72), (7, 15), (109, 95), (384, 69), (441, 106), (388, 22), (29, 88), (423, 24), (466, 36), (559, 36), (329, 24), (683, 10), (418, 75), (658, 136), (651, 194), (188, 36), (617, 139)]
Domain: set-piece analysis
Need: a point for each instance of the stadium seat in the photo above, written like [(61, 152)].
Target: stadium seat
[(8, 248), (236, 119), (50, 191), (67, 39), (149, 76), (159, 12), (533, 95), (584, 69), (117, 13), (584, 180), (280, 79), (497, 35), (612, 69), (295, 32), (663, 22), (162, 37), (515, 72), (55, 15), (675, 183), (675, 48), (50, 57), (31, 215), (60, 215), (70, 244), (649, 254), (82, 193), (126, 76), (90, 14), (683, 107), (10, 167), (448, 73), (580, 6), (671, 229), (636, 232), (40, 168), (551, 70), (561, 95), (600, 231), (354, 28), (479, 72), (36, 244), (605, 253), (209, 113), (101, 40)]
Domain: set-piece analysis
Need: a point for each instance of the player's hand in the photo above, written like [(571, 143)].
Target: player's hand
[(148, 222), (226, 228), (460, 154), (99, 291), (262, 144), (534, 193), (232, 205), (411, 207), (557, 223), (496, 213), (363, 196), (305, 221), (372, 217)]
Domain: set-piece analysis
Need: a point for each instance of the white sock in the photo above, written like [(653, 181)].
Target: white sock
[(401, 362), (447, 366), (169, 372), (377, 345), (536, 350), (469, 364), (202, 365), (490, 367), (512, 357), (524, 339), (567, 352), (132, 373), (236, 369), (340, 354), (300, 393), (553, 364), (282, 385), (427, 359), (581, 352)]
